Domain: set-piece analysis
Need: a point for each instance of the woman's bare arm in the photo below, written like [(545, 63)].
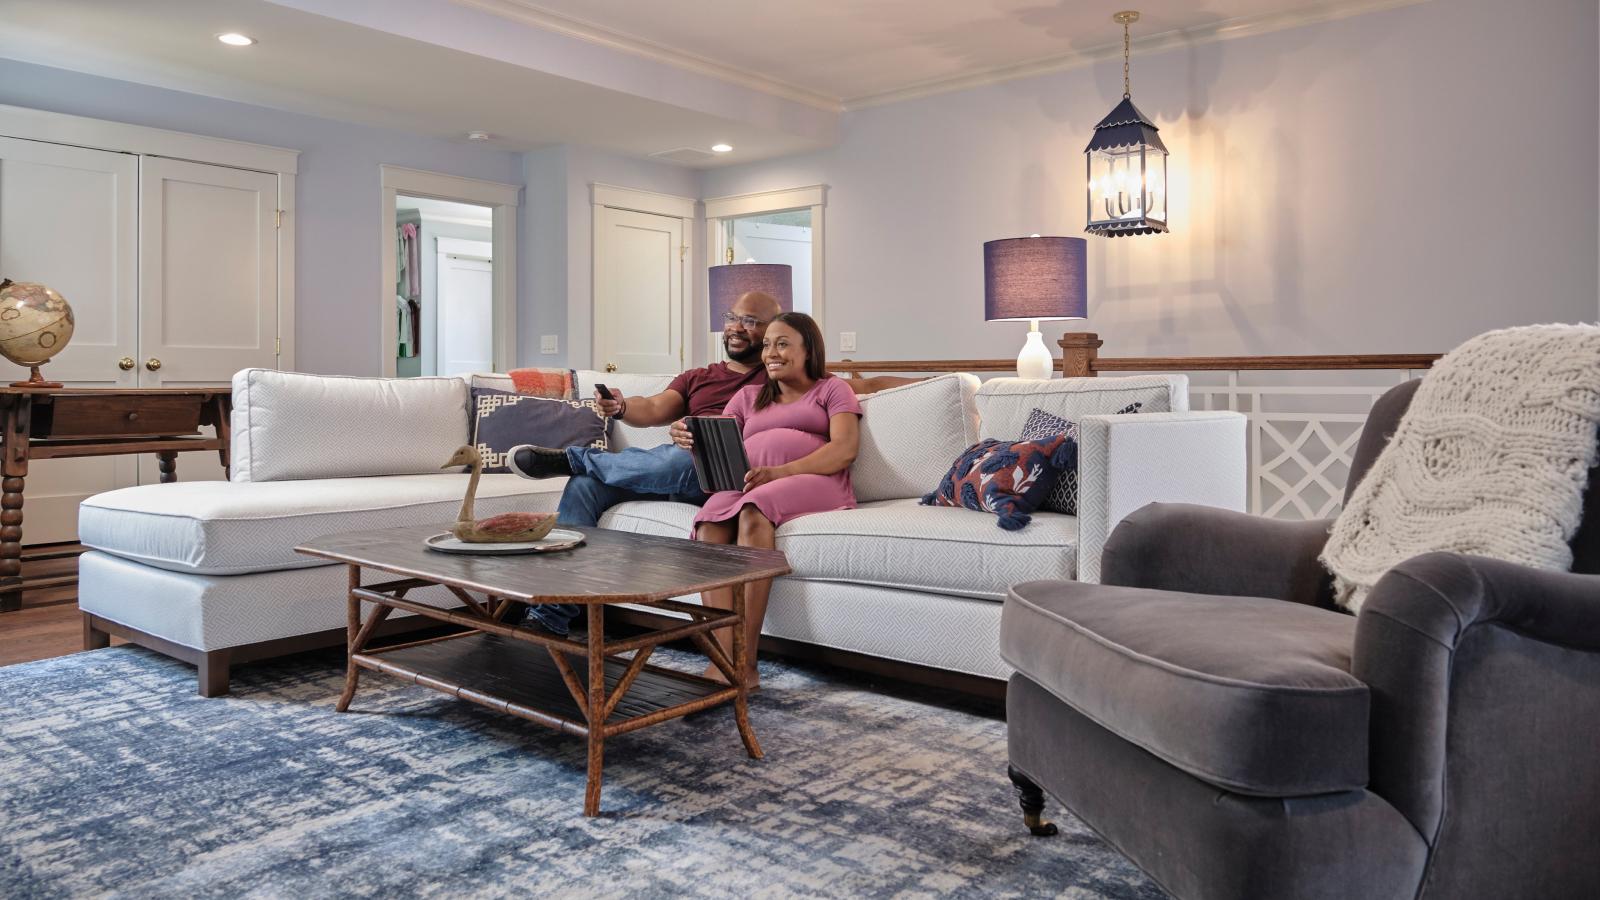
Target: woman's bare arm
[(844, 440)]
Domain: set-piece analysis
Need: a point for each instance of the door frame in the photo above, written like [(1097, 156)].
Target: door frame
[(503, 199), (121, 137), (813, 197), (604, 196)]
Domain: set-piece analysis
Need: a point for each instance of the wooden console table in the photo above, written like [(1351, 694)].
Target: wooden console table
[(60, 423)]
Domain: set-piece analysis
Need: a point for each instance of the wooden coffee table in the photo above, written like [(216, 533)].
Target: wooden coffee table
[(525, 671)]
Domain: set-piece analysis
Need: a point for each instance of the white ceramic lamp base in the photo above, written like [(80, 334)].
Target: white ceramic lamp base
[(1035, 361)]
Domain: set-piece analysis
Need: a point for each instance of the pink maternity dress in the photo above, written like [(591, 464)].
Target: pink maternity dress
[(781, 434)]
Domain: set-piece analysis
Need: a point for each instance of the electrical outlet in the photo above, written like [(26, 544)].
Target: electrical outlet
[(549, 343), (847, 342)]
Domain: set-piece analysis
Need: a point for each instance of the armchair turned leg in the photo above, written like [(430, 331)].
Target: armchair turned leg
[(1031, 798)]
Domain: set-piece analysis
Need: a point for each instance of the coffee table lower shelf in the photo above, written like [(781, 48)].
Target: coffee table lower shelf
[(521, 679)]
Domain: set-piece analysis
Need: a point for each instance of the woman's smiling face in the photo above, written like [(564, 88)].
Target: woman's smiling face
[(784, 353)]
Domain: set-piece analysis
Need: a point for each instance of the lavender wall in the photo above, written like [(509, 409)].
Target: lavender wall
[(1389, 182), (338, 250)]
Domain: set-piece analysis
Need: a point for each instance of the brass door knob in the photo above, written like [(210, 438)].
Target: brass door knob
[(152, 364), (611, 367), (125, 363)]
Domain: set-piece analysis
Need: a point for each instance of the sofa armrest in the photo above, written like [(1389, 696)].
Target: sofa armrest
[(1127, 461), (1205, 550), (1479, 668)]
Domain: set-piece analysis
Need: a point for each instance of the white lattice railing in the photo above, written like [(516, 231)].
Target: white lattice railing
[(1302, 437)]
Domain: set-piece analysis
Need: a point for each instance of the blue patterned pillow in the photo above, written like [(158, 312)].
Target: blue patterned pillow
[(1004, 477), (503, 419), (1063, 497)]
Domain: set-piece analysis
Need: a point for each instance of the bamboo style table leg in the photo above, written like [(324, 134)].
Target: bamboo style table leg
[(741, 663), (352, 631), (596, 708), (13, 472)]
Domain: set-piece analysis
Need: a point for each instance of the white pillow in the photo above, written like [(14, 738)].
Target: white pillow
[(1004, 403), (289, 426), (911, 434)]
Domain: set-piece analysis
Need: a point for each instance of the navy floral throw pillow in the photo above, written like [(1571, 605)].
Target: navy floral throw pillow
[(1063, 496), (1007, 478)]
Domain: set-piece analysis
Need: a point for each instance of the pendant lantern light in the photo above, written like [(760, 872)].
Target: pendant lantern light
[(1127, 165)]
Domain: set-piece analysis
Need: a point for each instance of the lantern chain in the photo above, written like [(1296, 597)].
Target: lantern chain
[(1125, 18)]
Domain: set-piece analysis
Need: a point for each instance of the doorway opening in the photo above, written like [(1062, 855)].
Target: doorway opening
[(777, 237), (444, 287)]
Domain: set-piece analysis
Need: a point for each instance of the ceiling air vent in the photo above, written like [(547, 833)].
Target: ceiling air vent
[(688, 156)]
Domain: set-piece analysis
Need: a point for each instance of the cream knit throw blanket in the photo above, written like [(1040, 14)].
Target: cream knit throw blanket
[(1491, 459)]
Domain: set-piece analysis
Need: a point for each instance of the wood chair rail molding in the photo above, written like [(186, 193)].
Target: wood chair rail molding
[(1080, 356)]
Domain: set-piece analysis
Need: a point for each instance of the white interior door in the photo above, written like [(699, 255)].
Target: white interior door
[(638, 316), (465, 307), (208, 282), (69, 219)]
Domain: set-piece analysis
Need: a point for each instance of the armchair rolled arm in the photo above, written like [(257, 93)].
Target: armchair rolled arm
[(1205, 550), (1478, 668)]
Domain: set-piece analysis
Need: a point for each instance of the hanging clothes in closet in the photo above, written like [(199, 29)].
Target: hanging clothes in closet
[(408, 283)]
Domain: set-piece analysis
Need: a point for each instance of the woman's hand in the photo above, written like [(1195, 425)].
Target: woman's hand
[(680, 435), (760, 475)]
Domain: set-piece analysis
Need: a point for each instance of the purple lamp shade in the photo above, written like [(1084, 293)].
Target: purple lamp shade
[(1035, 278), (729, 283)]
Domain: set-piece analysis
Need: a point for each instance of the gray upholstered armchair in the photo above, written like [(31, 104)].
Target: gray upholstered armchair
[(1209, 712)]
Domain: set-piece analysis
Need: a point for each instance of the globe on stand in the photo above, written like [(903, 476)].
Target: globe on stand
[(35, 324)]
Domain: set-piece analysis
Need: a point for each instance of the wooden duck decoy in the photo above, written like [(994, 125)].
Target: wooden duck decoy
[(502, 529)]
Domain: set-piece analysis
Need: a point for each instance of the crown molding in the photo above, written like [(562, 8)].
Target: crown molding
[(1228, 29), (531, 14)]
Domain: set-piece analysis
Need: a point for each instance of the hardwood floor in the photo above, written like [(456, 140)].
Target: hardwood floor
[(48, 625)]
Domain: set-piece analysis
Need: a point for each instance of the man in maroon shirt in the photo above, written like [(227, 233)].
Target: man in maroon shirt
[(601, 479)]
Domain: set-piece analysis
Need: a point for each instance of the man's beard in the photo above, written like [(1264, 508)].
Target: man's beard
[(751, 352)]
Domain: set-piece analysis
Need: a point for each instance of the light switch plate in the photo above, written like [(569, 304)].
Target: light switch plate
[(847, 342), (549, 343)]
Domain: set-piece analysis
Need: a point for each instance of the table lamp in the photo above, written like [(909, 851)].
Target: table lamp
[(1034, 278)]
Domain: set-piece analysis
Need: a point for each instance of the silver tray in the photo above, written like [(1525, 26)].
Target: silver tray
[(557, 539)]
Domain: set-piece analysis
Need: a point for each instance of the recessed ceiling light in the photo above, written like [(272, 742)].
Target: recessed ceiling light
[(478, 135), (235, 39), (722, 148)]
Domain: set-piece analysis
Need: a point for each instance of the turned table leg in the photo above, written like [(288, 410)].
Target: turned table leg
[(13, 471), (167, 464), (597, 705)]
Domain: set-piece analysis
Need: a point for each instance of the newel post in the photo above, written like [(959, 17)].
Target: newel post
[(1078, 352)]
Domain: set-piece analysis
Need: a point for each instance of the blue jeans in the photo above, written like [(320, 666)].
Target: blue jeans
[(601, 479)]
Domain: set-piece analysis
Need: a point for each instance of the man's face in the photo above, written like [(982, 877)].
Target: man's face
[(741, 337)]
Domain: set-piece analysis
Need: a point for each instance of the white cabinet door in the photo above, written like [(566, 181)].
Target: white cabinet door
[(638, 279), (208, 282), (208, 272), (69, 219)]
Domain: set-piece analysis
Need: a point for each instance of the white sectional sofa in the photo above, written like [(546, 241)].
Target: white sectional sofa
[(206, 571)]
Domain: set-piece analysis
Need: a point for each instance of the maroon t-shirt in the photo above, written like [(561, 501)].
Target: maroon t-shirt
[(708, 390)]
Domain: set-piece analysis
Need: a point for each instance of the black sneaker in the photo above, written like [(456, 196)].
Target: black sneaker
[(531, 461)]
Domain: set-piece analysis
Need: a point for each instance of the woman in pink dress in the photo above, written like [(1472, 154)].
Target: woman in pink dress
[(801, 431)]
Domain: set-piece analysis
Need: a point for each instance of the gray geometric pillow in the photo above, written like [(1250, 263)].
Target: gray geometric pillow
[(1041, 425), (503, 419)]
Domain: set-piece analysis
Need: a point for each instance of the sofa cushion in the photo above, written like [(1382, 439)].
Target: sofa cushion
[(1004, 404), (909, 435), (229, 528), (897, 544), (290, 426), (1249, 694)]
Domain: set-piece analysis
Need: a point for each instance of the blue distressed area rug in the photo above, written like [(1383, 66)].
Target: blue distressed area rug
[(115, 778)]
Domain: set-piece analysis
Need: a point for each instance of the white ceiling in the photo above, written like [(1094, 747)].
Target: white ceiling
[(859, 52), (321, 66), (629, 76)]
